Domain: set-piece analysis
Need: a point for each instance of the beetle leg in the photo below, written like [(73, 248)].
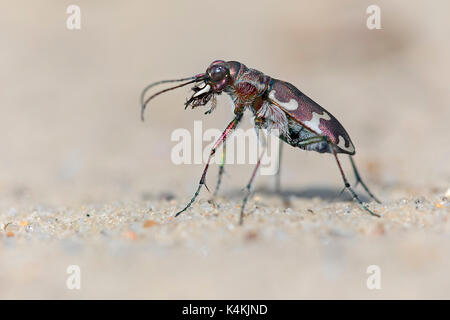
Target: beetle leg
[(231, 126), (349, 187), (221, 169), (359, 180), (249, 185), (278, 174), (339, 194)]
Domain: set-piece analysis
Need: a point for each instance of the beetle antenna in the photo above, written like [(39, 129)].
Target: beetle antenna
[(160, 82), (144, 103)]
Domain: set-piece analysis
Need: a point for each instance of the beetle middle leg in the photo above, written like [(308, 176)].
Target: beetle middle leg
[(221, 169), (249, 185)]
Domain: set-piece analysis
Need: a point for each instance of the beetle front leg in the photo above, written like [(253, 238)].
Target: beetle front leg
[(231, 126)]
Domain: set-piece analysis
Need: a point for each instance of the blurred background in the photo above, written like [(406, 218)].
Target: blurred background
[(69, 101)]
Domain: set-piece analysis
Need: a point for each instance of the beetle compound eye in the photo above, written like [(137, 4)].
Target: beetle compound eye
[(218, 73)]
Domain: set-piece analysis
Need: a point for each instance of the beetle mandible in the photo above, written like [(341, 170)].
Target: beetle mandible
[(275, 104)]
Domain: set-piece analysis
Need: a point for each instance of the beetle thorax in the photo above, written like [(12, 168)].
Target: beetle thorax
[(248, 88)]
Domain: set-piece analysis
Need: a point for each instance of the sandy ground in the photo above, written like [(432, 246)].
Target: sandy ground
[(83, 182)]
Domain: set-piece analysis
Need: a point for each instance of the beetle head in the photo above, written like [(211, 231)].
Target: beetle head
[(217, 77), (213, 82)]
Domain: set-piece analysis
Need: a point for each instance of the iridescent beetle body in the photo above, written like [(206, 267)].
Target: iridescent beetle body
[(275, 104), (278, 104)]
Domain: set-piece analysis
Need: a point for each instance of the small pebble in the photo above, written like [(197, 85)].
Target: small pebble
[(150, 223)]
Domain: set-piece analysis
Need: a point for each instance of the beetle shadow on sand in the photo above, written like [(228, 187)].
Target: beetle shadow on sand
[(322, 192)]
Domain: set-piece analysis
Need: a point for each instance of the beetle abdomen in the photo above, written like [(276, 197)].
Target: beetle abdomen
[(299, 136)]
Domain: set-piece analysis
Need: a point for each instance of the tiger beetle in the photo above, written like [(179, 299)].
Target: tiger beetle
[(275, 104)]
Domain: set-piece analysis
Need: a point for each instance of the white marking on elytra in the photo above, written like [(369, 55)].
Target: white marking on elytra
[(314, 123), (205, 89), (291, 105), (341, 144)]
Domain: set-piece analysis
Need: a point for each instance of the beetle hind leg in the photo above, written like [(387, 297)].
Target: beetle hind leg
[(359, 180), (349, 187)]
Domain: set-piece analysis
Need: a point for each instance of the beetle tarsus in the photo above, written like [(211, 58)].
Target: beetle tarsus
[(359, 180), (190, 202), (356, 198), (349, 187)]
